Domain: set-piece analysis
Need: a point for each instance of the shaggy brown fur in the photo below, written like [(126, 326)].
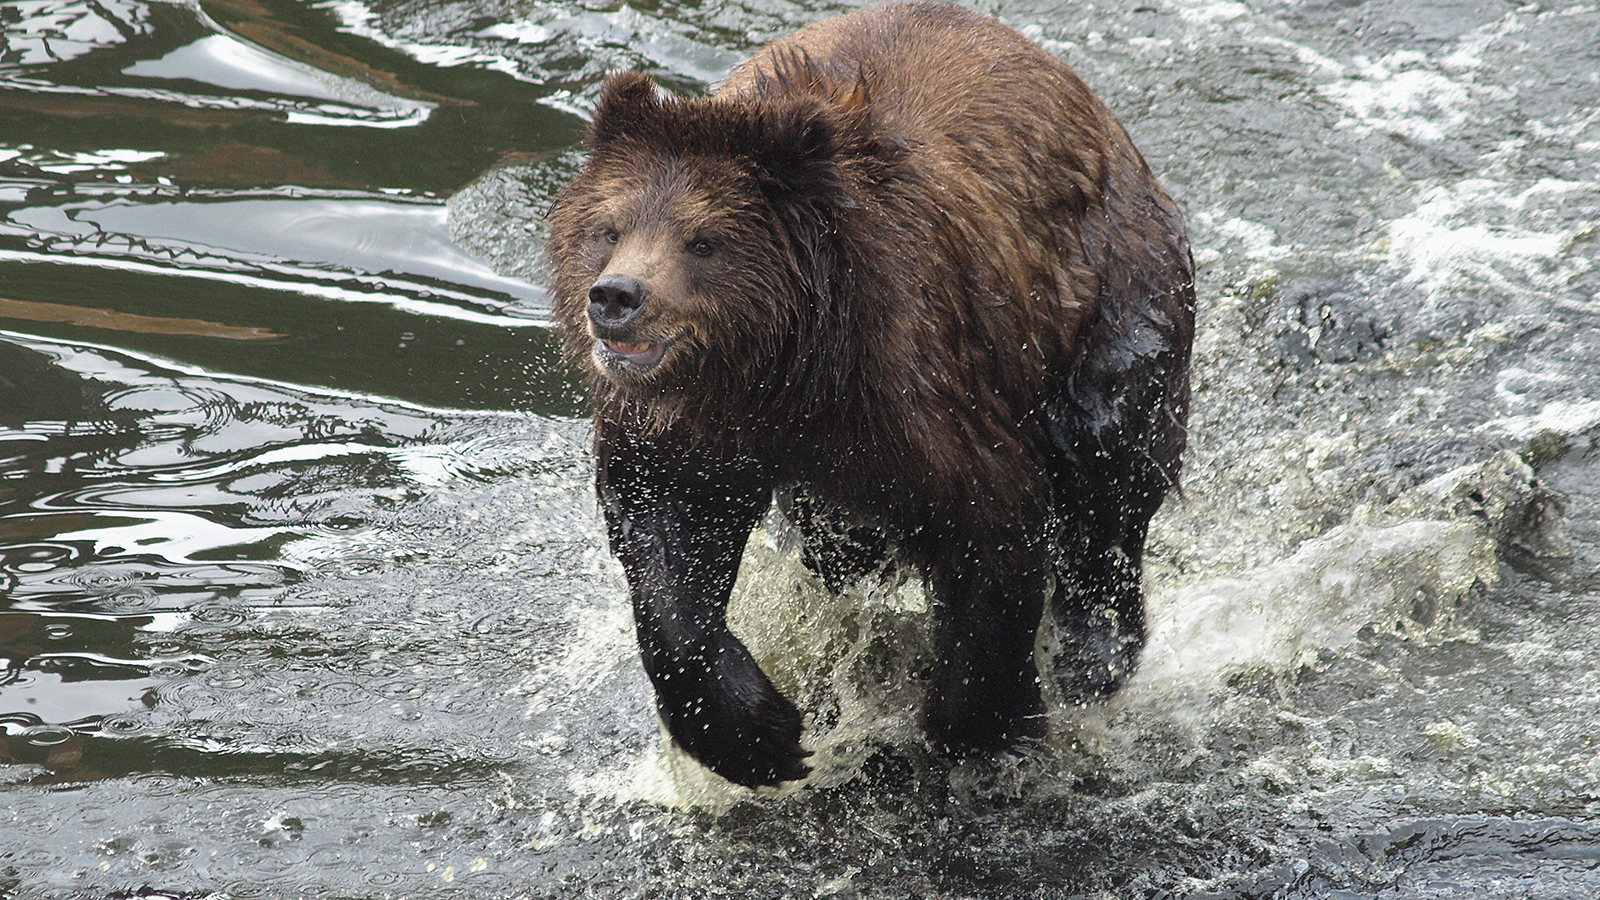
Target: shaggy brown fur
[(906, 270)]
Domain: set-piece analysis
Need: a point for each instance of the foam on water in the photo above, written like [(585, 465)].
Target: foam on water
[(1401, 94), (1564, 418), (1406, 575), (1469, 235)]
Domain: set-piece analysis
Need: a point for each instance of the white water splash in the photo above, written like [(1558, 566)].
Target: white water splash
[(1471, 235), (853, 661)]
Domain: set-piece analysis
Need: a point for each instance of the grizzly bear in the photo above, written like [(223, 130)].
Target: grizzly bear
[(905, 272)]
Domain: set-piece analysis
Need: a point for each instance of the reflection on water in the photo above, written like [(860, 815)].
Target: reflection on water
[(222, 61), (224, 167), (180, 555), (302, 591), (141, 482), (137, 502), (390, 250)]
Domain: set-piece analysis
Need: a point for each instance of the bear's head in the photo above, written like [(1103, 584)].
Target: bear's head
[(700, 241)]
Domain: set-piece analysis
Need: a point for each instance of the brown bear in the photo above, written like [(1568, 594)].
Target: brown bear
[(904, 271)]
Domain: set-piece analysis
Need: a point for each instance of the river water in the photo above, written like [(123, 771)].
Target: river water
[(303, 592)]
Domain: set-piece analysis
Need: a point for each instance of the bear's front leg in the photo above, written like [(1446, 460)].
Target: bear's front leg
[(985, 694), (680, 535)]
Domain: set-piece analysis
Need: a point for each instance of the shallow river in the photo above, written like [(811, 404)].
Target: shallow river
[(303, 592)]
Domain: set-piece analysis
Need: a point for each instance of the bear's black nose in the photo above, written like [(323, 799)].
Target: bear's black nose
[(615, 300)]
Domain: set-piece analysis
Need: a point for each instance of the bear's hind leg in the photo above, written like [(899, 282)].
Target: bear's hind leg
[(835, 548), (984, 694), (1098, 618)]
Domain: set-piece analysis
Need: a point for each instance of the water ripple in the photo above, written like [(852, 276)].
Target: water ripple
[(47, 735)]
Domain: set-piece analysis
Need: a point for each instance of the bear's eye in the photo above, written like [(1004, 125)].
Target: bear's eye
[(610, 235), (701, 248)]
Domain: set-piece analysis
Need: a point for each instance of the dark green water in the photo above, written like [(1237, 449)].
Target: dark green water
[(303, 594)]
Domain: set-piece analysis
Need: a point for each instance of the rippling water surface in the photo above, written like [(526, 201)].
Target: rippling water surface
[(302, 590)]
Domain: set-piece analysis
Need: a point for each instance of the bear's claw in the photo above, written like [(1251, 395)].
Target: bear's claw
[(735, 722), (751, 747)]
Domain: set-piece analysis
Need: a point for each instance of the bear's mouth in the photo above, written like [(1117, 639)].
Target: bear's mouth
[(630, 357)]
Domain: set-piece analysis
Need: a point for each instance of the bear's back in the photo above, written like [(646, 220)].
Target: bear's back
[(1009, 161), (952, 85)]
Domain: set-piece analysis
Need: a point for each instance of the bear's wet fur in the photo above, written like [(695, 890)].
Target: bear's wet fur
[(904, 271)]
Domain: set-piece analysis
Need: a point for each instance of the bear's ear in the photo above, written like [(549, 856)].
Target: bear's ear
[(625, 103), (798, 143), (805, 140)]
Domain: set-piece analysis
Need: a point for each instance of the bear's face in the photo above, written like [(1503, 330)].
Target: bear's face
[(698, 243), (670, 253)]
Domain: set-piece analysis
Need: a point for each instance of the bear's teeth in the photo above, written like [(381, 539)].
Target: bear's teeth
[(630, 349)]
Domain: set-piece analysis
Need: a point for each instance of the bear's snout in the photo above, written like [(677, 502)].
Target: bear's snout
[(615, 301)]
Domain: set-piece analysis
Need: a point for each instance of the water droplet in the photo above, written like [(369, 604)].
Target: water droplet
[(121, 725), (168, 670), (219, 615), (401, 690), (130, 600), (226, 679), (47, 735)]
